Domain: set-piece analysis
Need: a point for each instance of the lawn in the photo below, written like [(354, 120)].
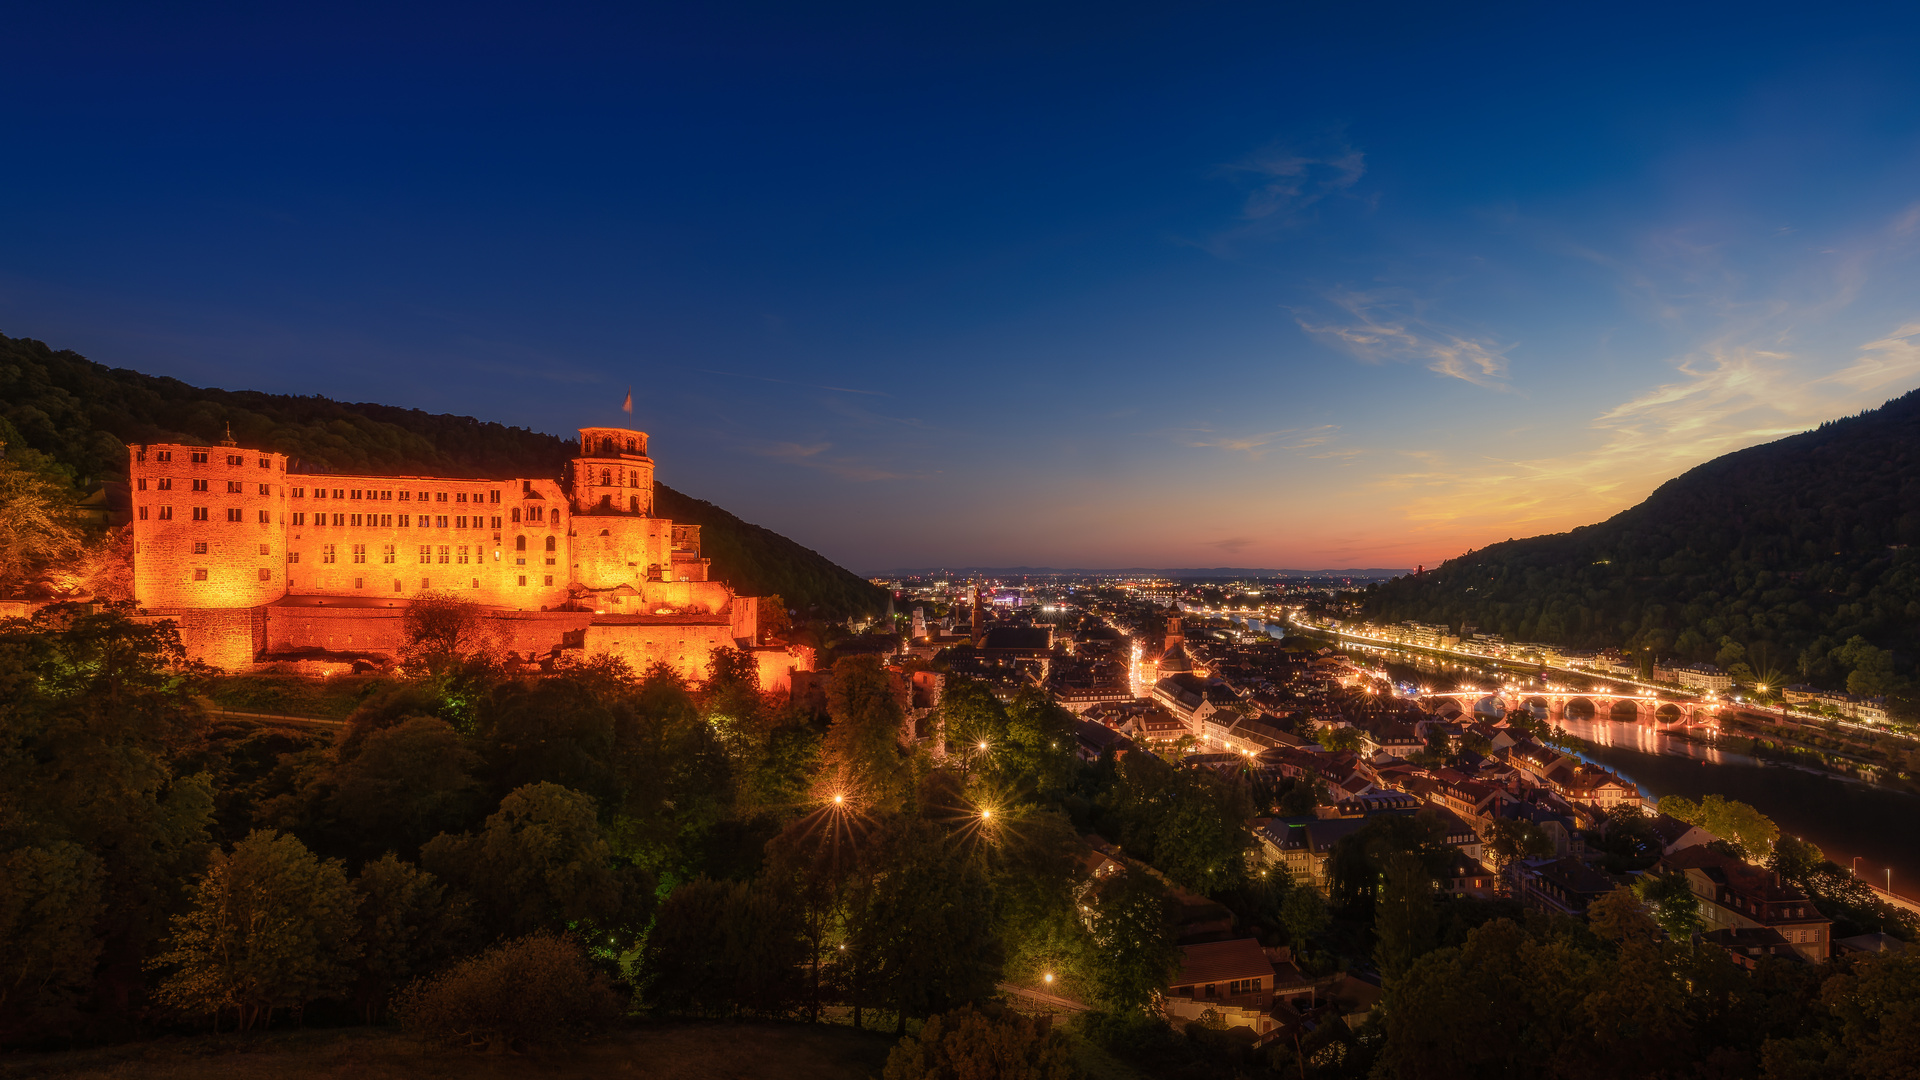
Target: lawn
[(666, 1051)]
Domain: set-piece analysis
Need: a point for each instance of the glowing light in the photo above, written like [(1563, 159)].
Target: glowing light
[(839, 800), (986, 815), (1048, 978), (983, 745)]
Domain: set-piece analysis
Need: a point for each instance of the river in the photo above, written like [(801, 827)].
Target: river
[(1846, 818)]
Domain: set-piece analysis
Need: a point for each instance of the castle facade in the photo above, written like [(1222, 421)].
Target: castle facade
[(257, 565)]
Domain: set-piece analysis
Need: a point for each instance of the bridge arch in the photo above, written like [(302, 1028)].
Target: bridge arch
[(1624, 710), (1579, 707), (1668, 714)]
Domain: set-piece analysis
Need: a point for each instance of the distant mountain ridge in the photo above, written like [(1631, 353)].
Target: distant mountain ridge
[(83, 414), (1795, 558), (1198, 573)]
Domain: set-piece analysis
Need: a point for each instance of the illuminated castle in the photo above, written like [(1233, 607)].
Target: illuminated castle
[(256, 564)]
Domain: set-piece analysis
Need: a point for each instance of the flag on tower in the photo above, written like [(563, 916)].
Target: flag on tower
[(627, 406)]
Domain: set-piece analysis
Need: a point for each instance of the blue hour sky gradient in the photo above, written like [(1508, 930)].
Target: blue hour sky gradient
[(1247, 284)]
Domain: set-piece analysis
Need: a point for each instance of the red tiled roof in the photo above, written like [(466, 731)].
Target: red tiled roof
[(1223, 961)]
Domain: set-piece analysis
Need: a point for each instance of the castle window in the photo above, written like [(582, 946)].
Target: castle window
[(326, 553), (141, 484), (293, 556), (386, 496), (462, 553), (266, 489), (536, 513), (266, 574), (425, 583), (266, 518), (603, 532), (387, 554), (606, 477), (523, 579), (405, 495), (519, 543), (233, 487), (143, 513), (460, 522), (359, 553), (460, 496), (265, 550), (299, 519), (405, 520), (199, 575), (166, 513), (163, 455), (199, 485), (443, 553), (441, 520), (496, 521), (338, 494), (476, 583), (198, 457), (396, 584), (339, 519), (516, 515), (199, 513), (265, 464), (236, 459), (426, 555), (549, 579), (550, 543), (634, 504), (233, 515), (165, 483), (354, 494), (386, 521), (629, 446), (199, 547), (439, 496), (359, 583), (493, 496)]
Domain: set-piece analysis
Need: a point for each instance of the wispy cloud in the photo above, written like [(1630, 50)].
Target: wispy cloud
[(816, 456), (1233, 545), (1259, 444), (1728, 395), (1378, 330), (1286, 182)]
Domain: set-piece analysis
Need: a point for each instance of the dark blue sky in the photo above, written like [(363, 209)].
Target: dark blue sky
[(1185, 285)]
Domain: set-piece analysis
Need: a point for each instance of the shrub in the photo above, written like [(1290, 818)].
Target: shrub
[(968, 1045), (538, 989)]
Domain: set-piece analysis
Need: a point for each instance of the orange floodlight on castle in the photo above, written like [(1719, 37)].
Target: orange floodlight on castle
[(258, 564)]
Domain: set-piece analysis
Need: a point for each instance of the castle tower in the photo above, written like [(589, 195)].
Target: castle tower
[(979, 629), (208, 525), (613, 474), (1174, 637)]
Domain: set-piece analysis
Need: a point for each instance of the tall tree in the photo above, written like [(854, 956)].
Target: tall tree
[(270, 927)]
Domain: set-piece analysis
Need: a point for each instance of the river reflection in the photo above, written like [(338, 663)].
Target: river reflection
[(1845, 817)]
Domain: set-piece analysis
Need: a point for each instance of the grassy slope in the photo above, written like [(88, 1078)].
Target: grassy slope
[(677, 1051), (83, 414)]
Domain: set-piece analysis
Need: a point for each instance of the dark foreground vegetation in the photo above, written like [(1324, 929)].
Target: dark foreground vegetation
[(72, 419), (1798, 561), (528, 866)]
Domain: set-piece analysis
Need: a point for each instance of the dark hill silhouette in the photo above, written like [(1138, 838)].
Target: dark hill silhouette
[(83, 414), (1789, 550)]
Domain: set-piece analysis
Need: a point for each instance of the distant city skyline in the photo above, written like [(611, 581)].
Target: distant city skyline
[(998, 286)]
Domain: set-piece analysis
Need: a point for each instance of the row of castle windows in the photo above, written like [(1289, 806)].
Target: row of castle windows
[(200, 574), (199, 457), (202, 513), (361, 583), (406, 521), (609, 479), (165, 483), (389, 496)]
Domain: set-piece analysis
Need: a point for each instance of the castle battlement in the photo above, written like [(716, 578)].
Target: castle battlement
[(229, 530)]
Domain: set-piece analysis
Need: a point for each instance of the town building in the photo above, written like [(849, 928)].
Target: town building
[(1737, 896)]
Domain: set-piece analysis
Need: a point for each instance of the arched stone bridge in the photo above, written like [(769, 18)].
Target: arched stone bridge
[(1637, 708)]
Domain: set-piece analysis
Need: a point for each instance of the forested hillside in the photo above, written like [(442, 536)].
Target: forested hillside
[(1796, 558), (83, 414)]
